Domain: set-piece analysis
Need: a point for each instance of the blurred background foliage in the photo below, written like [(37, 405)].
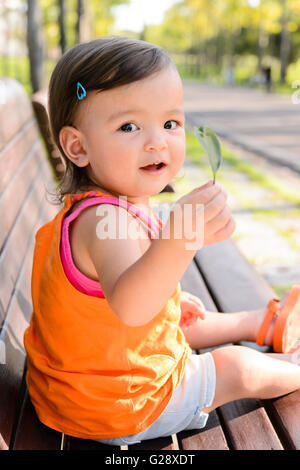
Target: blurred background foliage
[(221, 41)]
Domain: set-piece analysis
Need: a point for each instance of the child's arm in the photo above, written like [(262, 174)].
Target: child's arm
[(136, 285)]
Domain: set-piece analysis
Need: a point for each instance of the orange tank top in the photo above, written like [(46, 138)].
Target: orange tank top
[(90, 375)]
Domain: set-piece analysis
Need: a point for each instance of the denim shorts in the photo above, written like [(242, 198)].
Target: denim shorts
[(184, 411)]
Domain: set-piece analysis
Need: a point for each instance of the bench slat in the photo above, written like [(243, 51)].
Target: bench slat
[(223, 266), (285, 412), (13, 197), (15, 109), (12, 155), (248, 426), (193, 282), (210, 438), (12, 256)]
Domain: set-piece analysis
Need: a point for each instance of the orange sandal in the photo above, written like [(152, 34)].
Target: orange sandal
[(287, 324)]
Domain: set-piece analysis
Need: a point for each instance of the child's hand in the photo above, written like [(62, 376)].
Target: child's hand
[(218, 222), (189, 302), (192, 309)]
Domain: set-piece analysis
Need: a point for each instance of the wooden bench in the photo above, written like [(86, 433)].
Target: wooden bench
[(219, 275)]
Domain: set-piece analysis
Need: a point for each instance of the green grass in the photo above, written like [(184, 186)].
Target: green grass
[(278, 189), (281, 290), (195, 153)]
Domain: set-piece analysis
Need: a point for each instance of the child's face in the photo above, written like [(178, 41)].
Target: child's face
[(118, 146)]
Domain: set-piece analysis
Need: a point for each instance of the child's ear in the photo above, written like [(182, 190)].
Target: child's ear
[(72, 142)]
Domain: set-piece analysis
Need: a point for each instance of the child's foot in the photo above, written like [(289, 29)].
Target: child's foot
[(268, 341), (280, 325)]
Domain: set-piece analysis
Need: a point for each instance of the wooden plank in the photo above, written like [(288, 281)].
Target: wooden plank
[(209, 438), (12, 199), (232, 281), (285, 412), (15, 109), (15, 248), (248, 427), (12, 155), (192, 282)]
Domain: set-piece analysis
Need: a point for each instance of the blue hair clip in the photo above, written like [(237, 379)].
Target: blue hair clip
[(81, 91)]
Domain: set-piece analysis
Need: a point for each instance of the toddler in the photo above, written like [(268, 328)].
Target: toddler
[(110, 340)]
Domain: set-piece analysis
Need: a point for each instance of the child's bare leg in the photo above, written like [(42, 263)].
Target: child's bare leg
[(246, 373), (220, 328)]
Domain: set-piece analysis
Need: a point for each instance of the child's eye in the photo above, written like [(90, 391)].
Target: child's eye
[(176, 122), (126, 128)]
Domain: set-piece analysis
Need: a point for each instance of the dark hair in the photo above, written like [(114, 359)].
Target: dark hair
[(101, 64)]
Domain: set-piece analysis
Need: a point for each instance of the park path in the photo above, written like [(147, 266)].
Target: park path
[(262, 130), (268, 123)]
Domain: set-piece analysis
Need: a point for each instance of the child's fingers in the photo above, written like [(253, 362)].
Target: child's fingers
[(204, 194), (225, 232), (197, 301), (199, 308), (215, 207), (219, 221)]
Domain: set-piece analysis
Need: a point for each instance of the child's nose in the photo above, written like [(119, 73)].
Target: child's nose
[(156, 141)]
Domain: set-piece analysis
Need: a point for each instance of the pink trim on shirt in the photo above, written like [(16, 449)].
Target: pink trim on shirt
[(81, 282)]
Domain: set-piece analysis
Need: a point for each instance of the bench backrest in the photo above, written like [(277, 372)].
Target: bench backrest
[(25, 174)]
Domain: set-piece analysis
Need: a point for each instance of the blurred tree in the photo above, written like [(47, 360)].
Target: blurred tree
[(101, 15), (220, 32), (80, 20), (278, 18), (61, 22), (35, 43), (80, 11)]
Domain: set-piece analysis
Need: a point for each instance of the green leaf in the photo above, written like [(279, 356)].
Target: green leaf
[(211, 147)]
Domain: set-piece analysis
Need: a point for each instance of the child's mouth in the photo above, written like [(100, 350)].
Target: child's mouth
[(154, 168)]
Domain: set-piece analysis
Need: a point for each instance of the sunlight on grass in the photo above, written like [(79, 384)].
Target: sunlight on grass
[(196, 155)]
